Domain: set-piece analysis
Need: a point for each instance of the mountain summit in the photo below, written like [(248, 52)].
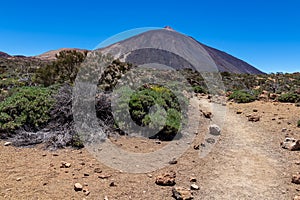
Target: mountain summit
[(168, 47)]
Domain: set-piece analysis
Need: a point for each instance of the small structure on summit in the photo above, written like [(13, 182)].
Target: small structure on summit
[(169, 28)]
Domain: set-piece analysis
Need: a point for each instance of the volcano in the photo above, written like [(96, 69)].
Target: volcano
[(168, 47)]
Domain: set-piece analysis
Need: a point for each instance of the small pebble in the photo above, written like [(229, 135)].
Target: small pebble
[(7, 143), (194, 187), (78, 187)]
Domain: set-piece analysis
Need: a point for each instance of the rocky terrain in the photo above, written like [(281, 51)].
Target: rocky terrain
[(239, 134), (247, 162)]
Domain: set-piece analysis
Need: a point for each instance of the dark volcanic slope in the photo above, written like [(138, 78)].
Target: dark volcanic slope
[(229, 63), (147, 47), (4, 55)]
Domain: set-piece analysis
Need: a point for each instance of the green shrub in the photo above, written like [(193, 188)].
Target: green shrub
[(28, 106), (199, 89), (241, 96), (298, 123), (156, 107), (289, 98)]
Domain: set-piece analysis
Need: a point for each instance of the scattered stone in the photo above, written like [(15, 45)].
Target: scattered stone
[(7, 143), (181, 193), (193, 179), (255, 110), (283, 130), (150, 175), (207, 114), (86, 191), (65, 165), (86, 174), (112, 184), (239, 112), (18, 179), (296, 198), (253, 118), (214, 130), (296, 179), (263, 97), (197, 147), (105, 198), (173, 161), (291, 144), (297, 162), (210, 140), (82, 163), (194, 187), (103, 176), (158, 142), (97, 170), (273, 96), (166, 179), (55, 154), (78, 187)]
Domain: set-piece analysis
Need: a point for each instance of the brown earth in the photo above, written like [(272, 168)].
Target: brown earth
[(247, 162)]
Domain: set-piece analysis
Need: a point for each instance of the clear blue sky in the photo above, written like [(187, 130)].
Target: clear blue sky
[(264, 33)]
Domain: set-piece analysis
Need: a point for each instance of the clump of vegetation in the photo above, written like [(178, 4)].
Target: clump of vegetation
[(298, 123), (112, 74), (241, 96), (199, 89), (62, 70), (196, 80), (27, 107), (154, 106), (289, 97)]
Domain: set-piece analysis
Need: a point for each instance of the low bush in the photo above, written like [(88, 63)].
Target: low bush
[(154, 106), (27, 107), (241, 96), (298, 123), (289, 98), (199, 89)]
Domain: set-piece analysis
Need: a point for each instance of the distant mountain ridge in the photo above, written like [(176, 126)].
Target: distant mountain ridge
[(174, 42), (50, 55), (4, 55)]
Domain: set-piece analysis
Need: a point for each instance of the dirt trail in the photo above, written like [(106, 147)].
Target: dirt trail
[(244, 165)]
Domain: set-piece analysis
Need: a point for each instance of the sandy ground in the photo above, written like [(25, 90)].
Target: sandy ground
[(247, 162)]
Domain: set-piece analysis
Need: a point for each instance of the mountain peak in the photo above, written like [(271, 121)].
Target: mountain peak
[(169, 28)]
